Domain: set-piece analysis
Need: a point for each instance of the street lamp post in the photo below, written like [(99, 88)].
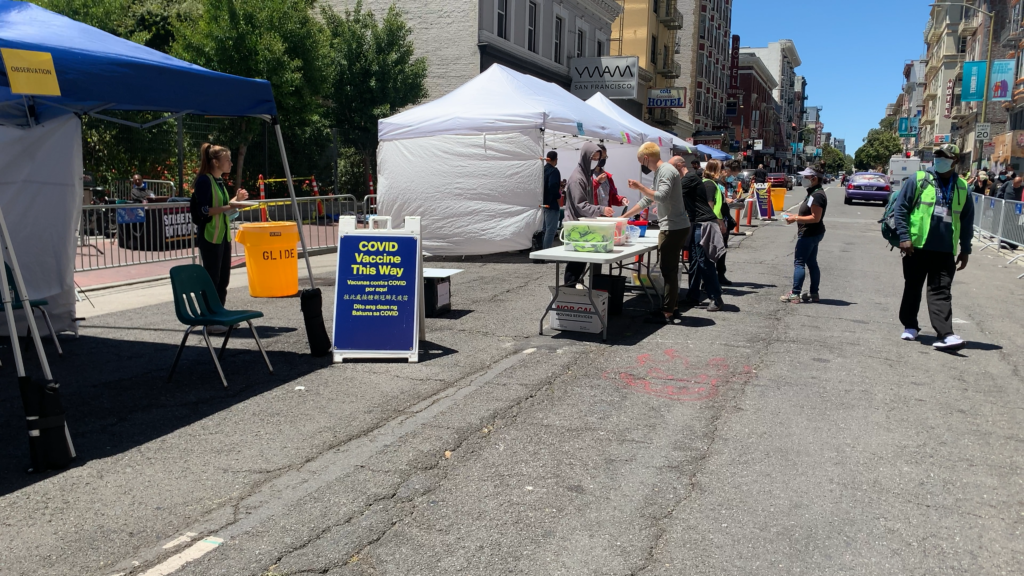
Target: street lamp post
[(988, 70)]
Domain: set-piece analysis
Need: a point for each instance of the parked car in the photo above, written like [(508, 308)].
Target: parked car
[(869, 187), (779, 180), (790, 181)]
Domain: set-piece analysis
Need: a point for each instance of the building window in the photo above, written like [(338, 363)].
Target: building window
[(655, 5), (664, 57), (502, 20), (581, 43), (703, 25), (962, 48), (531, 27), (654, 51), (600, 48), (559, 25)]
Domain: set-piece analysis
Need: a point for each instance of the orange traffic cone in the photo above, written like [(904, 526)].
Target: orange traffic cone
[(319, 204), (263, 196)]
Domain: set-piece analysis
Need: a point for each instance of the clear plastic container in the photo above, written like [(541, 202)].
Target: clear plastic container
[(588, 236)]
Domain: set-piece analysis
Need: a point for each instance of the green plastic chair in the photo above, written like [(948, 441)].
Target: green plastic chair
[(197, 305), (33, 304)]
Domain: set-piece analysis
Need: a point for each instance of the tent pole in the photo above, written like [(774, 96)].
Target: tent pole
[(295, 203), (181, 157)]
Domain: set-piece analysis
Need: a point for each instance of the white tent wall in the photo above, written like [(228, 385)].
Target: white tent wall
[(41, 198), (476, 194), (622, 163)]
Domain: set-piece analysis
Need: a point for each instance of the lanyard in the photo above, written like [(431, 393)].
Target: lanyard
[(947, 191)]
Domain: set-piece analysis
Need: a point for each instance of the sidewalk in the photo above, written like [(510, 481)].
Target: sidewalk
[(138, 295)]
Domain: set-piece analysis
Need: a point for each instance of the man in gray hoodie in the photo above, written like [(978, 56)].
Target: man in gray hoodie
[(579, 201)]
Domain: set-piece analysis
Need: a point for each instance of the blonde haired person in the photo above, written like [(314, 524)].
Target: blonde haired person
[(210, 205), (673, 223)]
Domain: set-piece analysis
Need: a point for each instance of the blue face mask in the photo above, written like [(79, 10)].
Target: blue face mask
[(730, 179), (942, 165)]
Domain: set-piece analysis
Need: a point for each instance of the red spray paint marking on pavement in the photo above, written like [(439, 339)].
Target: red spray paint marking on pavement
[(668, 380)]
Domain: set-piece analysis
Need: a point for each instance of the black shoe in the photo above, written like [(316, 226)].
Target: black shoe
[(716, 305), (724, 281), (657, 318)]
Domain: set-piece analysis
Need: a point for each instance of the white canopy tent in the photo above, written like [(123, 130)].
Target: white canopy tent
[(469, 163), (622, 162)]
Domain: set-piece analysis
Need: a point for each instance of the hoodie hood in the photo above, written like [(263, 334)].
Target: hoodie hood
[(586, 165)]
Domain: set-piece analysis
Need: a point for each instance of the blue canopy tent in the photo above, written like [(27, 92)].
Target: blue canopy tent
[(97, 71), (56, 71), (715, 153)]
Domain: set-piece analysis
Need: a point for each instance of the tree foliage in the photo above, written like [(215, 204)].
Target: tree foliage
[(879, 146), (277, 40), (832, 160), (151, 23), (374, 74)]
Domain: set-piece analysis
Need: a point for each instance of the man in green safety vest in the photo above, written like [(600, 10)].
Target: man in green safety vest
[(935, 221)]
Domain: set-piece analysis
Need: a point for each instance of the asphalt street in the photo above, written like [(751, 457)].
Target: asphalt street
[(769, 438)]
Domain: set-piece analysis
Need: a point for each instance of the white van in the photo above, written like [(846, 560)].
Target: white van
[(901, 168)]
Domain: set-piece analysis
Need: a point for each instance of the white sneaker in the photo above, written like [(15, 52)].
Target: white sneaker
[(952, 342), (909, 335)]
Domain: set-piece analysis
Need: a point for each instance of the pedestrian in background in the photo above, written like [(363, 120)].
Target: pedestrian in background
[(1018, 189), (552, 194), (935, 220), (1005, 183), (673, 223), (695, 168), (723, 213), (700, 196), (810, 232), (760, 175)]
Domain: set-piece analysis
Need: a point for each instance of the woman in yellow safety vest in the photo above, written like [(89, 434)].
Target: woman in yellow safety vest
[(210, 207)]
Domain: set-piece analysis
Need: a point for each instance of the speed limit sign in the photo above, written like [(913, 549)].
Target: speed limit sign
[(983, 131)]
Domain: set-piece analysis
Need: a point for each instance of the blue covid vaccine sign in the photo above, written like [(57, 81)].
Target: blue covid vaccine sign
[(376, 295)]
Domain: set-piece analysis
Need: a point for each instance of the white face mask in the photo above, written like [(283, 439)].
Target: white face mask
[(942, 165), (807, 182)]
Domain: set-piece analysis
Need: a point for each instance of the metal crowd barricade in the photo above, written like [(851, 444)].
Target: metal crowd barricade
[(122, 189), (113, 235), (370, 205), (999, 223), (127, 234), (318, 215)]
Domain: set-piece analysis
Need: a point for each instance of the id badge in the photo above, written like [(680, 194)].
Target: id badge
[(942, 212)]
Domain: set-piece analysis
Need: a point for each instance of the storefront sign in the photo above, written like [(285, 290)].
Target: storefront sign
[(30, 72), (613, 76), (666, 98), (949, 99), (376, 295), (942, 139), (1002, 80), (768, 150), (817, 134), (973, 88)]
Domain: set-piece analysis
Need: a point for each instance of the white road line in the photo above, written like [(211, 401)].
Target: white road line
[(194, 552), (180, 540)]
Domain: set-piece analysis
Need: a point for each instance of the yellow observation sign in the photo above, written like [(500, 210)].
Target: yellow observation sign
[(30, 72)]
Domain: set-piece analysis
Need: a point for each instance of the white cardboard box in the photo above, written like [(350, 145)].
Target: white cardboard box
[(570, 303)]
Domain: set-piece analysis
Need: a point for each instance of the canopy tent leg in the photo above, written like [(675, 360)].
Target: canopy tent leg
[(19, 283), (295, 204)]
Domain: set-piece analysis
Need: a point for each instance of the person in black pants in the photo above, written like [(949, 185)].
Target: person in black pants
[(210, 206), (935, 219), (699, 198)]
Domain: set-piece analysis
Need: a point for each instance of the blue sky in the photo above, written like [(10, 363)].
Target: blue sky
[(853, 52)]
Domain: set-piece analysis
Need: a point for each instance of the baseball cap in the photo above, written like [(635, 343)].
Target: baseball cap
[(951, 151)]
